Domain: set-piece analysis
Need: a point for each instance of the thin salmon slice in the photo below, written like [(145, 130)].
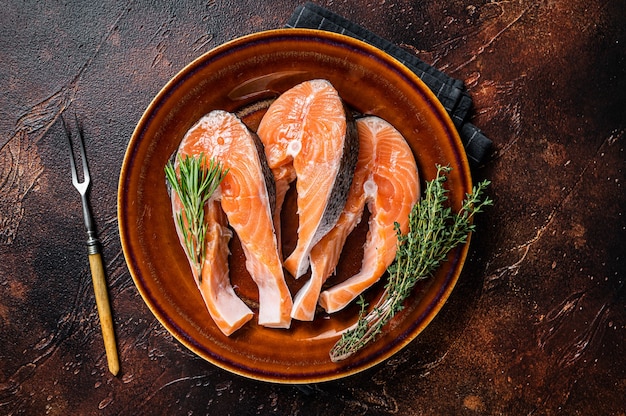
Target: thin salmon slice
[(391, 190), (310, 137), (247, 197), (325, 254), (228, 311)]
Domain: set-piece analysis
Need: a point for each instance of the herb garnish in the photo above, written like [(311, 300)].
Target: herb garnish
[(433, 231), (197, 181)]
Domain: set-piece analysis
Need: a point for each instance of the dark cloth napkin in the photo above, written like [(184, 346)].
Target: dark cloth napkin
[(450, 91)]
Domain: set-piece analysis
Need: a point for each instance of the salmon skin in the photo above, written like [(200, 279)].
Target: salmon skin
[(247, 198), (310, 137), (390, 190)]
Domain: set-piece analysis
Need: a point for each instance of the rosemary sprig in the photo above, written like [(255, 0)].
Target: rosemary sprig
[(433, 231), (195, 184)]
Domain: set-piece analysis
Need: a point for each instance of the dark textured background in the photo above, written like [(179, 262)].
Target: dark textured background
[(536, 324)]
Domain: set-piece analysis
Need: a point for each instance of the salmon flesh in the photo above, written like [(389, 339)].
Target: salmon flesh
[(228, 311), (326, 253), (310, 137), (390, 190), (247, 198)]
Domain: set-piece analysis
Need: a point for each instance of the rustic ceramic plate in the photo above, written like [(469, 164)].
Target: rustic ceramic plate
[(240, 76)]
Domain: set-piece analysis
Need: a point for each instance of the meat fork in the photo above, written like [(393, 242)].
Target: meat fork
[(93, 249)]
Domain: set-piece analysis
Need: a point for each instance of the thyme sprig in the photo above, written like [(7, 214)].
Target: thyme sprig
[(195, 184), (433, 231)]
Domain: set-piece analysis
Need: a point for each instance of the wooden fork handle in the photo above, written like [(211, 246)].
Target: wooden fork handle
[(104, 311)]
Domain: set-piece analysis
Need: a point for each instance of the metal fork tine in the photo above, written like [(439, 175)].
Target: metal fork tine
[(68, 135), (87, 178), (80, 186)]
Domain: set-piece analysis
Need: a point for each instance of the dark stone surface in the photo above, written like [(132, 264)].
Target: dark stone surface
[(536, 324)]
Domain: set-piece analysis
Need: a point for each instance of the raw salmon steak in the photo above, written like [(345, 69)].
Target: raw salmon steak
[(310, 137), (325, 254), (391, 190), (247, 196), (228, 311)]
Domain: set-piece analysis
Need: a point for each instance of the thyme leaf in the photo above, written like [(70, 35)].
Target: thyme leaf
[(433, 231), (195, 183)]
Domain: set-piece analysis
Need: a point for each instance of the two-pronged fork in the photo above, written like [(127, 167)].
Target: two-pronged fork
[(93, 247)]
